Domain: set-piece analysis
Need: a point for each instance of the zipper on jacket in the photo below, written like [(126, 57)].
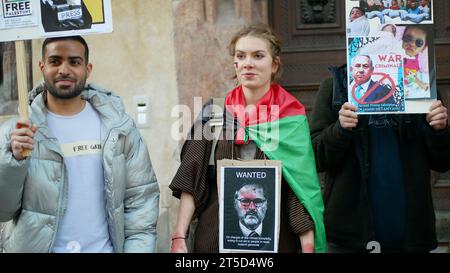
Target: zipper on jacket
[(62, 200), (62, 203), (108, 202)]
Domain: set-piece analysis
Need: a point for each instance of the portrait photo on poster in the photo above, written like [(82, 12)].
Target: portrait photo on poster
[(376, 81), (418, 62), (249, 208)]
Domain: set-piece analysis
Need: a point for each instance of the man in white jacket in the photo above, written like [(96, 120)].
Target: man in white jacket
[(88, 185)]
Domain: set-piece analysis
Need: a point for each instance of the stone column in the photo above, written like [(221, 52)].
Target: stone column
[(247, 9)]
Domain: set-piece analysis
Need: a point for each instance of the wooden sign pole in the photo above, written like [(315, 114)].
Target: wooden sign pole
[(22, 85)]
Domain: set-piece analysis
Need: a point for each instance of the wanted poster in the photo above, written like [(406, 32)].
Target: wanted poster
[(249, 205)]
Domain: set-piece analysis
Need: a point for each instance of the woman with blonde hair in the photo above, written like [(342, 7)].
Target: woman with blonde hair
[(256, 52)]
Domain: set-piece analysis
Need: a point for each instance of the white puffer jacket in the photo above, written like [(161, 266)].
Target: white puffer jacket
[(33, 192)]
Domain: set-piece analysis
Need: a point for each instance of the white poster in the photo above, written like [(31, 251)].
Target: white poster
[(17, 14), (34, 19), (390, 56)]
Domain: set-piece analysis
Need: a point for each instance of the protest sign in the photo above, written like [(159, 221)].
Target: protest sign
[(33, 19), (390, 56), (249, 205)]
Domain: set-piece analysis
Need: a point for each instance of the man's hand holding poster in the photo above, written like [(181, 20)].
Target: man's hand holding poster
[(390, 56)]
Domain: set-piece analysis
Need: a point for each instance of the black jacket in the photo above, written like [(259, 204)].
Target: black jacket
[(344, 157)]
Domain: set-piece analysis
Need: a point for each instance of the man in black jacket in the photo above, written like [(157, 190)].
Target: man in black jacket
[(377, 172)]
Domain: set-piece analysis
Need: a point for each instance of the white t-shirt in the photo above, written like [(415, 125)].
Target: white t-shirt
[(84, 227)]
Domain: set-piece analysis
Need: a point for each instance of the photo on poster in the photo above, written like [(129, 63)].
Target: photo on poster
[(57, 18), (17, 14), (408, 11), (419, 79), (249, 208), (65, 15), (391, 66), (375, 79), (365, 17)]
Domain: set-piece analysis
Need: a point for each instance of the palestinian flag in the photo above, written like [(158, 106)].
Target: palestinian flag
[(279, 127)]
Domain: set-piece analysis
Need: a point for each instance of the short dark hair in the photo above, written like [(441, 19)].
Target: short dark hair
[(358, 8), (76, 38)]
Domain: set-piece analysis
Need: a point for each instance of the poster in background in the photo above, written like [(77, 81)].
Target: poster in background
[(397, 43), (53, 18), (17, 14), (249, 205)]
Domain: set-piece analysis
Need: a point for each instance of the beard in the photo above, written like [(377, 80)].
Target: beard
[(65, 93), (252, 220)]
